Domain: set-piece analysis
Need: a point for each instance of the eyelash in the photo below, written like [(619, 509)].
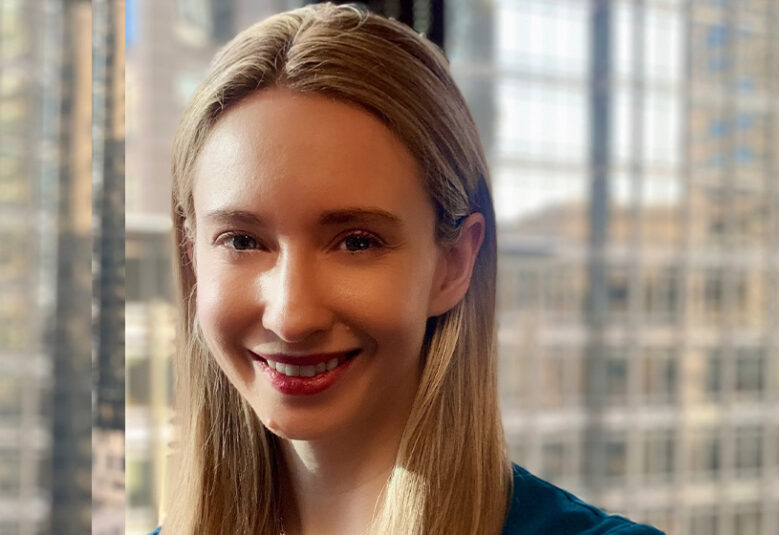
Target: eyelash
[(375, 242)]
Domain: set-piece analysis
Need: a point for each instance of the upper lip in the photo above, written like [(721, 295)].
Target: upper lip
[(305, 360)]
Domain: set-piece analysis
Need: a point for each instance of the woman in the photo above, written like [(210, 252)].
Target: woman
[(337, 264)]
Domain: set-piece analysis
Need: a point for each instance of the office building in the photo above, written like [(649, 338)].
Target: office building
[(634, 171), (45, 275)]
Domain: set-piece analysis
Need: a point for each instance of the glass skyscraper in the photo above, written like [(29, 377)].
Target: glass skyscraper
[(45, 275), (633, 149)]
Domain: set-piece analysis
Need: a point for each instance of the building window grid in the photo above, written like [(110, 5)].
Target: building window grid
[(728, 378)]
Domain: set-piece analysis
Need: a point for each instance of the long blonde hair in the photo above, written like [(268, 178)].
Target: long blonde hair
[(451, 473)]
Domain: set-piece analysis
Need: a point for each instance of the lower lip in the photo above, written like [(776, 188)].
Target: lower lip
[(303, 386)]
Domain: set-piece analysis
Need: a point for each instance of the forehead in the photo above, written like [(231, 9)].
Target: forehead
[(278, 150)]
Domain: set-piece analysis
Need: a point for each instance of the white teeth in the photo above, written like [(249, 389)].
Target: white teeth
[(300, 371), (303, 371)]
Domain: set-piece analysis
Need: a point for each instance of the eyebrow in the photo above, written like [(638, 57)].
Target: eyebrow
[(328, 218), (353, 215)]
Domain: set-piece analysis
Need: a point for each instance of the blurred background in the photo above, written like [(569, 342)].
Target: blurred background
[(633, 148), (61, 267)]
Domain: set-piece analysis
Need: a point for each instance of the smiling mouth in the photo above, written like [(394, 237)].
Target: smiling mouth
[(314, 366)]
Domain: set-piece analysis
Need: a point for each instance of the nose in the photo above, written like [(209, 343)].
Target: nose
[(293, 308)]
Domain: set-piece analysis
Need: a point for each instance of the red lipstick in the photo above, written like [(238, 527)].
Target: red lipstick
[(300, 385)]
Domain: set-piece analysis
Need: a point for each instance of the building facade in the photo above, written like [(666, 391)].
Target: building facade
[(25, 385), (634, 172), (45, 399)]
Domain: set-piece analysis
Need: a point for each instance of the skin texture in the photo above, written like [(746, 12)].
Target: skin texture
[(274, 275)]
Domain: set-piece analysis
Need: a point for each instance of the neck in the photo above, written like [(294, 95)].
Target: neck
[(333, 485)]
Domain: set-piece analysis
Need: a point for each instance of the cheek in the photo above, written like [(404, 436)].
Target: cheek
[(222, 305), (390, 305)]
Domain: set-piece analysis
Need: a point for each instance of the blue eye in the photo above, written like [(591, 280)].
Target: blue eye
[(357, 242), (241, 242)]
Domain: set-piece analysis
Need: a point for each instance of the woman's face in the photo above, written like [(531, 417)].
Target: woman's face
[(315, 262)]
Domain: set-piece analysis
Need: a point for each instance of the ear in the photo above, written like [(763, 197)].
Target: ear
[(455, 266)]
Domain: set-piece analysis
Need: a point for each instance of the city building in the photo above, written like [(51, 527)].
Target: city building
[(634, 171), (45, 267), (27, 283), (108, 268)]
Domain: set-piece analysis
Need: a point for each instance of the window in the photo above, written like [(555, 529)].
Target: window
[(14, 316), (528, 288), (618, 289), (552, 381), (748, 520), (752, 289), (553, 119), (616, 377), (664, 45), (194, 23), (661, 519), (518, 450), (660, 295), (659, 376), (148, 266), (9, 472), (13, 265), (713, 297), (662, 115), (616, 458), (659, 455), (563, 291), (512, 377), (138, 481), (751, 212), (704, 521), (561, 378), (138, 381), (750, 373), (704, 456), (713, 375), (527, 36), (553, 455), (749, 452), (10, 398)]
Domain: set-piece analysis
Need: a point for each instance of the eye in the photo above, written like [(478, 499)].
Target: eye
[(360, 241), (240, 242)]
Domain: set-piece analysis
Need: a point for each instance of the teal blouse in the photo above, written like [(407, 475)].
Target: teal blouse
[(540, 508)]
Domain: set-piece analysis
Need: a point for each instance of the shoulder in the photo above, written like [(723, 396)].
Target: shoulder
[(539, 507)]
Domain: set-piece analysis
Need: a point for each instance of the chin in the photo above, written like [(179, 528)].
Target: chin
[(294, 427)]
